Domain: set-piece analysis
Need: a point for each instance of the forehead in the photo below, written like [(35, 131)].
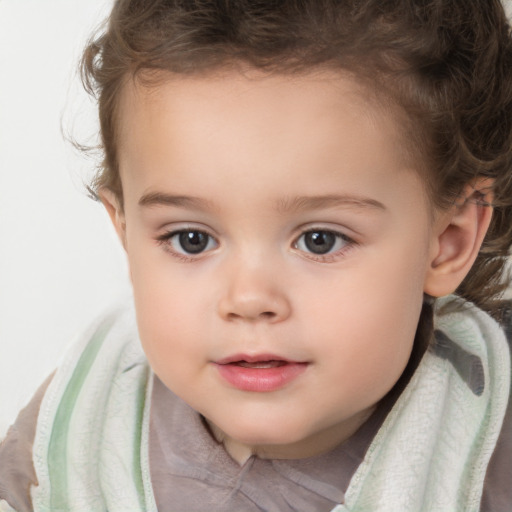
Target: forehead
[(264, 98), (301, 128)]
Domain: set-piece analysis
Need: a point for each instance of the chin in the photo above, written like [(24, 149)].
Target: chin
[(271, 433)]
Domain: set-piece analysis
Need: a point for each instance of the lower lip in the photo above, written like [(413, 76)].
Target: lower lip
[(260, 379)]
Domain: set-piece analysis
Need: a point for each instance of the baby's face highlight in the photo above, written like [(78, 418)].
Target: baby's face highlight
[(278, 247)]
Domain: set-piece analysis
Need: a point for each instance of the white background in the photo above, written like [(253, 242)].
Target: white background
[(60, 264)]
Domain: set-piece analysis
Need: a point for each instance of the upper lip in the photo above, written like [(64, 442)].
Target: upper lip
[(255, 358)]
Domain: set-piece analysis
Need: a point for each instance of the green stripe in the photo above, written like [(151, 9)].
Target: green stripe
[(137, 469), (58, 446)]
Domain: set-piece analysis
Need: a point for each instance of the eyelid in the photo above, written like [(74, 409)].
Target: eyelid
[(346, 232), (345, 229), (338, 234)]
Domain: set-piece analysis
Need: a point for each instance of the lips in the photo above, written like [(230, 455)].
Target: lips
[(259, 373)]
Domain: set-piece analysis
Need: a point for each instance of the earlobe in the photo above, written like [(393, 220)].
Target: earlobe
[(112, 205), (459, 234)]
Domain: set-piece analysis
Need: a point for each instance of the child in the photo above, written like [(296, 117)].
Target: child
[(299, 187)]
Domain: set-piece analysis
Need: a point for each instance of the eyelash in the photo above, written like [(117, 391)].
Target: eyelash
[(348, 243), (166, 241)]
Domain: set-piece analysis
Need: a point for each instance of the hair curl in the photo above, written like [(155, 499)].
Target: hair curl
[(446, 63)]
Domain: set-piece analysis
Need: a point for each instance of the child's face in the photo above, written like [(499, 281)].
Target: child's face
[(278, 247)]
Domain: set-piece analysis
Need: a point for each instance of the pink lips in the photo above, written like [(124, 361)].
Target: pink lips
[(261, 373)]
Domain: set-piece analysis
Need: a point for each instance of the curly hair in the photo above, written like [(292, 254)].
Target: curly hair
[(447, 64)]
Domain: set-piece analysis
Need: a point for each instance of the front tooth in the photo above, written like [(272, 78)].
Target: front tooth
[(261, 364)]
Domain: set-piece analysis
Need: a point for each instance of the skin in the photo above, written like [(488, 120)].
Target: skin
[(266, 159)]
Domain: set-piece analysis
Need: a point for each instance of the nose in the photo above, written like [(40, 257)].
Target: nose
[(253, 295)]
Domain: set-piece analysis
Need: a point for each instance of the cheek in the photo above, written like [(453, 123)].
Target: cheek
[(171, 340), (366, 317), (167, 310), (161, 288)]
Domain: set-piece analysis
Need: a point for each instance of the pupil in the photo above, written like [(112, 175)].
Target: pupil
[(193, 241), (320, 242)]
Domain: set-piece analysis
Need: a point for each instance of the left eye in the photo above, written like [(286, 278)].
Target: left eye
[(191, 241), (321, 241)]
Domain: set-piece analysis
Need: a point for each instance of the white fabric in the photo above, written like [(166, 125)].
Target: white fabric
[(432, 451), (103, 420), (5, 507)]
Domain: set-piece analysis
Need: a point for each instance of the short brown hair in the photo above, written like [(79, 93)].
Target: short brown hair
[(446, 63)]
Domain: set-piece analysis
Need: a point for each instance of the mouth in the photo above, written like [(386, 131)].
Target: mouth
[(261, 364), (256, 359), (259, 373)]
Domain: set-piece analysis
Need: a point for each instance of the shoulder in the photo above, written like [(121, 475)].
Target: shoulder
[(92, 417), (476, 348), (473, 342), (497, 495), (17, 472), (76, 394), (479, 350)]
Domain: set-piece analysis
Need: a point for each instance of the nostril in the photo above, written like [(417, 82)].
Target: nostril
[(255, 307), (265, 315)]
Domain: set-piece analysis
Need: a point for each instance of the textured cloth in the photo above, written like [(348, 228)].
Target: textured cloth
[(17, 473), (433, 450), (90, 450)]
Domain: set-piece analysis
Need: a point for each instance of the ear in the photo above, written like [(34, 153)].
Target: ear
[(457, 237), (112, 205)]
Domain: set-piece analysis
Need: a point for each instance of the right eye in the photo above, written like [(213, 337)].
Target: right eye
[(322, 242), (189, 241)]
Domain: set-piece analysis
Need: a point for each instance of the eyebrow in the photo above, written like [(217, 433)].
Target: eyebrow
[(286, 205), (180, 201), (305, 203)]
